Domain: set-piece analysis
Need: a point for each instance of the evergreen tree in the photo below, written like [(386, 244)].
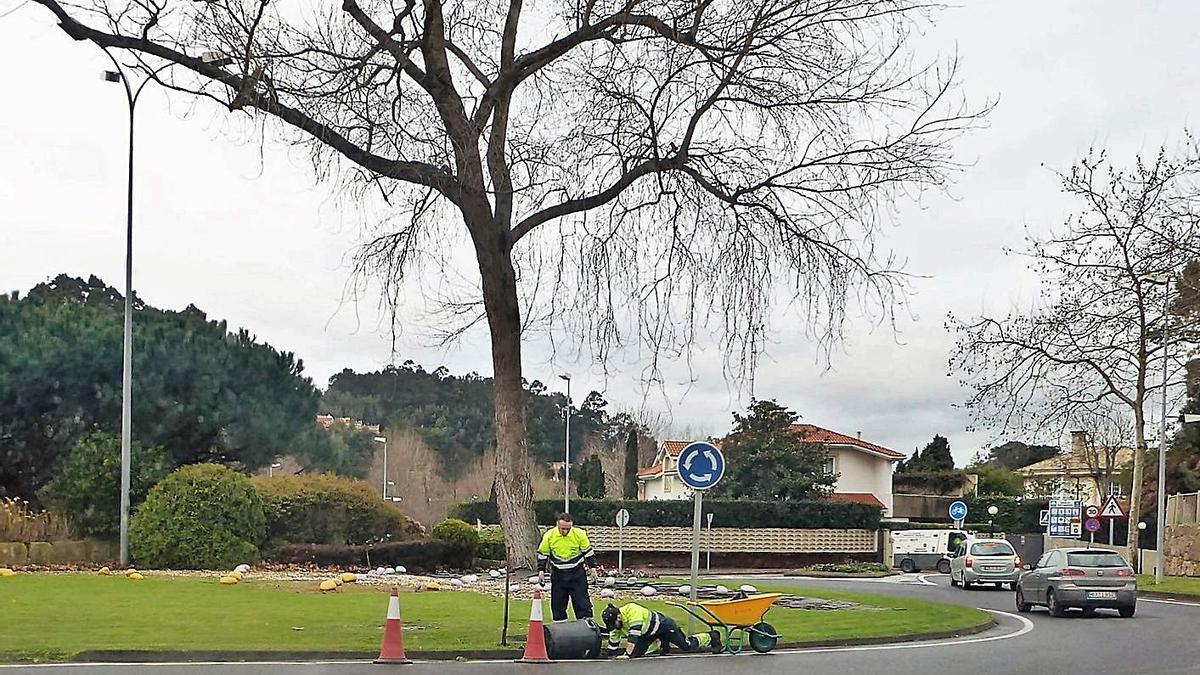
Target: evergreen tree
[(631, 464), (768, 460)]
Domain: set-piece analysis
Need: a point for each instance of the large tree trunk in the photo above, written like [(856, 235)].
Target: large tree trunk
[(1135, 491), (514, 491)]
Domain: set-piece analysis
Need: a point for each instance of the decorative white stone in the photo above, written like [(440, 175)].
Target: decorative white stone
[(685, 590), (532, 580), (495, 574), (469, 578), (389, 570), (633, 580), (748, 589), (610, 582), (514, 588), (722, 590), (243, 568), (649, 591), (401, 570), (456, 582), (608, 593)]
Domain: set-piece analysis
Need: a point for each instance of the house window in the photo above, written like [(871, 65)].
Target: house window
[(666, 483), (827, 467)]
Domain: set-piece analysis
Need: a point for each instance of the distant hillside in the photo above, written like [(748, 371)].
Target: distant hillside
[(454, 414)]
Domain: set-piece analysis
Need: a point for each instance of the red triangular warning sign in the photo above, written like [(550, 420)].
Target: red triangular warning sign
[(1112, 509)]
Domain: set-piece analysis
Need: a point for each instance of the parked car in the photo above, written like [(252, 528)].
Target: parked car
[(915, 550), (985, 561), (1084, 578)]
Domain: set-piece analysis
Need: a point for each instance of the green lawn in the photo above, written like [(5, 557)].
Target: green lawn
[(52, 617), (1172, 585)]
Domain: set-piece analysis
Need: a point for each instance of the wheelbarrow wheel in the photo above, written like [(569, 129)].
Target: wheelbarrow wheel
[(763, 637)]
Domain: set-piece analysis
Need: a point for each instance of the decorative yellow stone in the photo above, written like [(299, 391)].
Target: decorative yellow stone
[(328, 585), (349, 578), (135, 576), (235, 574), (5, 572), (433, 586), (338, 581), (130, 571), (104, 571), (228, 580)]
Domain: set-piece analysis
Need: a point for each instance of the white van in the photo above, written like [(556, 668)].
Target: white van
[(915, 550)]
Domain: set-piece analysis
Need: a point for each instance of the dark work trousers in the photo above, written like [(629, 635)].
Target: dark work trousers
[(571, 584), (668, 633)]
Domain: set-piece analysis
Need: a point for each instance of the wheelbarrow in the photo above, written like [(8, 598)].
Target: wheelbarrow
[(740, 621)]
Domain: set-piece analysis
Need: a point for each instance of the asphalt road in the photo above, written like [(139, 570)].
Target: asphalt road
[(1164, 638)]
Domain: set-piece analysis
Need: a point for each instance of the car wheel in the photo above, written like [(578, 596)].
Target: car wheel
[(999, 586), (1089, 611), (966, 584), (944, 566), (1052, 604), (1022, 606), (907, 566), (1012, 586), (953, 581), (1127, 612)]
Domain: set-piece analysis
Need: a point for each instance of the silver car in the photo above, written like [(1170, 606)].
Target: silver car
[(1088, 579), (985, 561)]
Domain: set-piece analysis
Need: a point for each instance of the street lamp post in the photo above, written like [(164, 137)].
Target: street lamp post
[(567, 449), (992, 511), (131, 97), (1161, 508), (381, 439), (271, 469)]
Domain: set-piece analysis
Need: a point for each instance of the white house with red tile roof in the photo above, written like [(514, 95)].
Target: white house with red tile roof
[(864, 469)]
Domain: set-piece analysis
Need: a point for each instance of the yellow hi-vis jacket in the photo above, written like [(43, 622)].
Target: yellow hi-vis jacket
[(636, 621), (562, 554)]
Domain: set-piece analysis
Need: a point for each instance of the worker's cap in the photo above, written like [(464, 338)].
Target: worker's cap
[(611, 615)]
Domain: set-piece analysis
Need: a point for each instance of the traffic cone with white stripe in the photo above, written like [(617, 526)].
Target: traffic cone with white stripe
[(392, 650), (535, 644)]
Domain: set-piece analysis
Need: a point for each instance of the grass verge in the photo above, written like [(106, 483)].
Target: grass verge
[(1187, 586), (55, 617)]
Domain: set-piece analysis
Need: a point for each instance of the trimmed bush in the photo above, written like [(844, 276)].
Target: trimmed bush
[(202, 516), (1016, 516), (678, 513), (491, 544), (461, 539), (419, 556), (323, 508)]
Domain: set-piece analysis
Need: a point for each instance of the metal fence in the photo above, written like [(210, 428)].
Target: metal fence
[(1183, 509)]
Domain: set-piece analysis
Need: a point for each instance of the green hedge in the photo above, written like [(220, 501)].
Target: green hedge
[(418, 557), (462, 541), (323, 508), (1016, 515), (200, 517), (491, 544), (678, 513)]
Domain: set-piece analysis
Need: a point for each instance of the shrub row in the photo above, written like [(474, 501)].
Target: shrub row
[(324, 508), (420, 556), (678, 513), (1015, 516)]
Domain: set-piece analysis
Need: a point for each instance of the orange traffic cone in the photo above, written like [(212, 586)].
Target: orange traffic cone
[(392, 650), (535, 644)]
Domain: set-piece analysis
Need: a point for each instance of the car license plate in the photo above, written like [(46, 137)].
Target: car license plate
[(993, 569), (1102, 595)]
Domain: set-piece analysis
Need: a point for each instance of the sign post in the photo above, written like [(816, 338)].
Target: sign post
[(1064, 518), (622, 521), (701, 466), (1112, 512), (708, 565)]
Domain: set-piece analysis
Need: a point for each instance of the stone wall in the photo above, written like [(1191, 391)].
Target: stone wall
[(47, 553), (1182, 549)]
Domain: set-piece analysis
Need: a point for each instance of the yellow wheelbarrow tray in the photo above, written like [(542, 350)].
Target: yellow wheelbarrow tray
[(739, 619)]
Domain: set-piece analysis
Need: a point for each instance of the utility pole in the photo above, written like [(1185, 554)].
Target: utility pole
[(567, 450)]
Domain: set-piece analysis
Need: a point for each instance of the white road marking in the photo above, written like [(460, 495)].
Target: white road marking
[(1170, 602), (924, 579)]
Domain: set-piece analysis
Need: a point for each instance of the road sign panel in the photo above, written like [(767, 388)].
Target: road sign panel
[(1092, 525), (958, 511), (622, 517), (1091, 511), (1064, 518), (701, 465), (1044, 517), (1112, 509)]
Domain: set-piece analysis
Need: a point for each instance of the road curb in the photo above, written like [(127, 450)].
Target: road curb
[(1177, 597), (145, 656)]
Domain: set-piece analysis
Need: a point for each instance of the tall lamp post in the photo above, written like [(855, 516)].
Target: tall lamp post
[(381, 439), (567, 449), (1163, 278), (131, 96)]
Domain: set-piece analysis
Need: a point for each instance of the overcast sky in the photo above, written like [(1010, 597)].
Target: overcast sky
[(244, 231)]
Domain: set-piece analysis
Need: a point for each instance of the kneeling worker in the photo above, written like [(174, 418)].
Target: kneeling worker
[(641, 628), (565, 549)]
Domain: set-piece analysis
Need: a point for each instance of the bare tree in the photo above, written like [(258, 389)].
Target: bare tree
[(1107, 440), (1095, 338), (668, 161)]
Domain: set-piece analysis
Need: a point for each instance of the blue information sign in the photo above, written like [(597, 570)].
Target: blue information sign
[(701, 465), (958, 511)]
